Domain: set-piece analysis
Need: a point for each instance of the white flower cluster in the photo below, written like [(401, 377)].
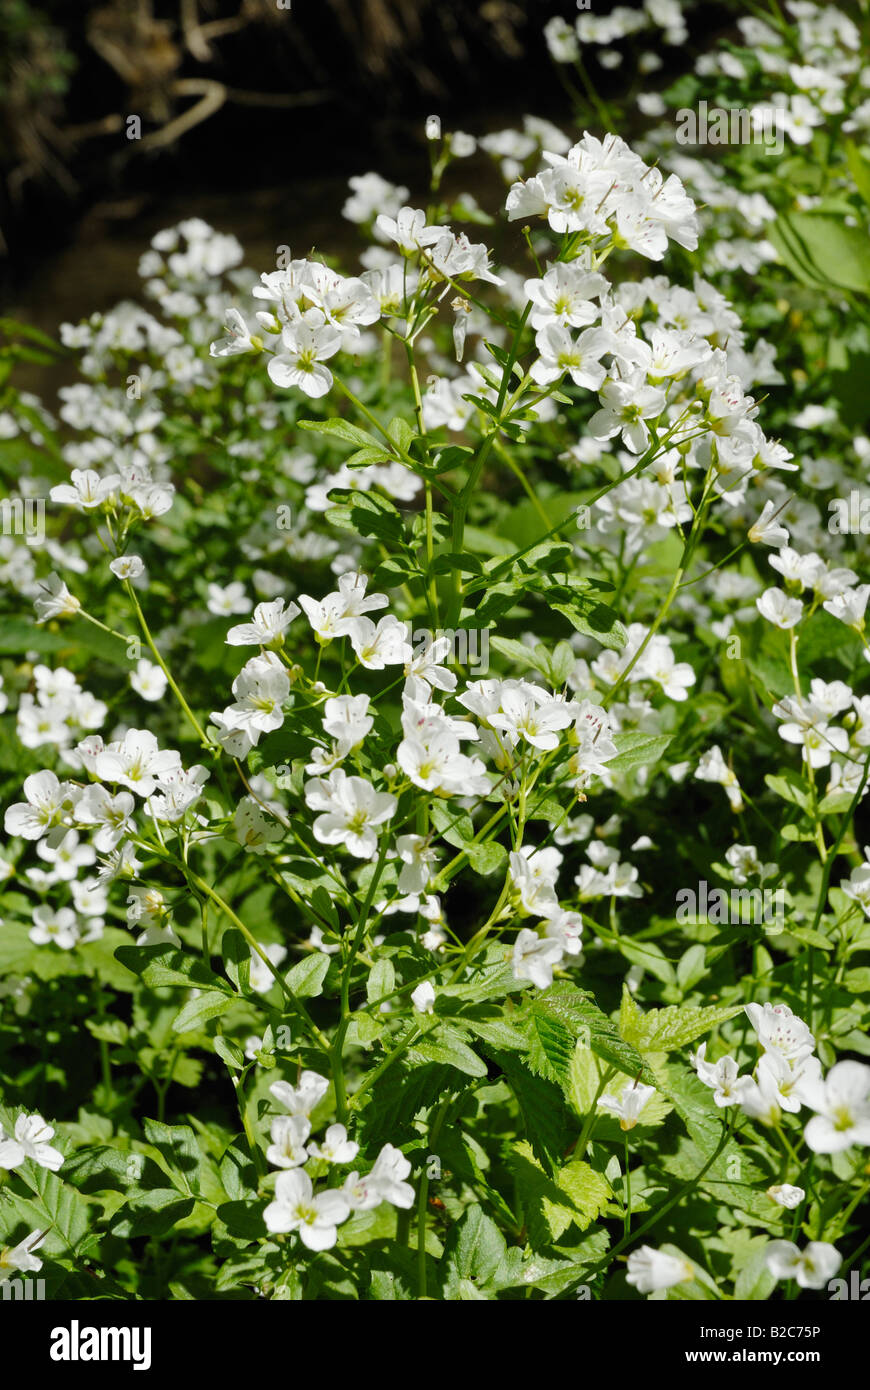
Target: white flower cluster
[(316, 1216)]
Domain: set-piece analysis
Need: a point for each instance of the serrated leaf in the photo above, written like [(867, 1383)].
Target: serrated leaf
[(587, 1023), (665, 1030)]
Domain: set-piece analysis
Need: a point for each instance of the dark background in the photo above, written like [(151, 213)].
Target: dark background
[(304, 97)]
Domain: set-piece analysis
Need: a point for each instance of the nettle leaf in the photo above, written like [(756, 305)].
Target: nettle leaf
[(496, 1031), (587, 1190), (573, 1196), (54, 1204), (397, 1097), (543, 1110), (579, 1014), (107, 1169), (665, 1030), (474, 1252), (637, 750)]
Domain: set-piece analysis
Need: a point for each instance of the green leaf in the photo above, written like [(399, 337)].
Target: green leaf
[(580, 1015), (446, 1045), (165, 965), (637, 750), (230, 1053), (54, 1204), (822, 250), (486, 858), (474, 1251), (593, 619), (544, 1114), (791, 788), (152, 1214), (587, 1190), (649, 956), (178, 1147), (665, 1030), (307, 976), (210, 1004), (859, 167), (340, 429), (381, 980)]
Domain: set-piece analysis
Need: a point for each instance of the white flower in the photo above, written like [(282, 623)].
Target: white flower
[(56, 925), (336, 1147), (409, 230), (305, 347), (779, 609), (387, 1177), (127, 567), (779, 1030), (21, 1256), (628, 1106), (650, 1269), (423, 998), (31, 1140), (148, 680), (302, 1098), (224, 600), (416, 855), (625, 406), (842, 1106), (295, 1208), (287, 1149), (271, 621), (238, 337), (253, 828), (43, 809), (713, 768), (111, 814), (88, 489), (54, 600), (351, 810), (720, 1077), (767, 529), (786, 1196), (535, 956), (136, 762), (811, 1268)]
